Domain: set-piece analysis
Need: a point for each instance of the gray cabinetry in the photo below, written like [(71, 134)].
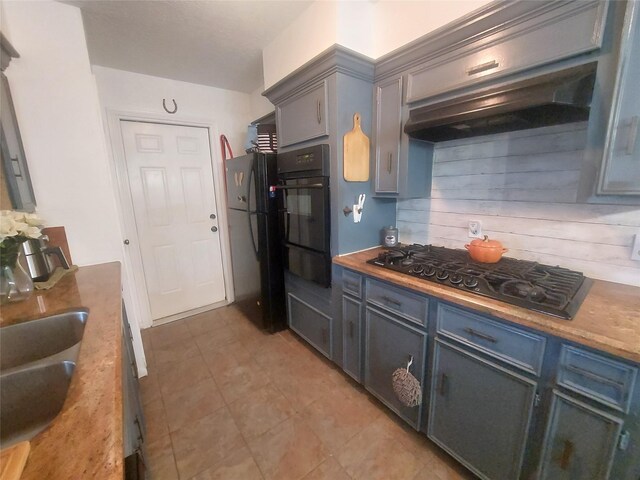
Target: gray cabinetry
[(620, 173), (480, 412), (388, 113), (303, 116), (134, 425), (390, 344), (581, 441), (351, 335), (535, 35), (310, 323)]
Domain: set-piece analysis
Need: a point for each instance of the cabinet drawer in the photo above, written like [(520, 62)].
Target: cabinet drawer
[(563, 31), (522, 349), (303, 117), (409, 305), (594, 376), (310, 323), (352, 283)]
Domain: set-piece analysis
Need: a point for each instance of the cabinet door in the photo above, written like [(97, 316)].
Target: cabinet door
[(388, 133), (480, 412), (580, 442), (310, 323), (390, 344), (620, 173), (303, 117), (351, 328)]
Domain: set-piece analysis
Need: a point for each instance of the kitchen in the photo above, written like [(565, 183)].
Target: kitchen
[(539, 213)]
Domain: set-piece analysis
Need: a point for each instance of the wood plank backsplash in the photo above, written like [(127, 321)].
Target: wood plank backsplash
[(521, 186)]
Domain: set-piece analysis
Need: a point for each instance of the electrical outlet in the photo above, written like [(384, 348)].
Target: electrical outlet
[(635, 249), (475, 229)]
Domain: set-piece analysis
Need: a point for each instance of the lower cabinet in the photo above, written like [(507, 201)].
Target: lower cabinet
[(310, 323), (390, 344), (581, 441), (480, 412), (352, 337), (134, 426), (507, 402)]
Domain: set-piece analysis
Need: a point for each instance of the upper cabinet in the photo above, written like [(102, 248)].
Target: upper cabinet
[(303, 116), (620, 171), (535, 33), (388, 131)]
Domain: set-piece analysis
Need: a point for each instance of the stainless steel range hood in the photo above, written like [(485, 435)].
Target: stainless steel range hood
[(551, 99)]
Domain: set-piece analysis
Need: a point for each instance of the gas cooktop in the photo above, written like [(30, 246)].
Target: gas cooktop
[(552, 290)]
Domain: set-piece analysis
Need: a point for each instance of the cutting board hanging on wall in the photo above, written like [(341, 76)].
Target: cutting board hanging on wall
[(356, 153)]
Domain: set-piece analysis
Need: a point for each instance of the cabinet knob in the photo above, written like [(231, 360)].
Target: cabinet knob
[(212, 216), (214, 229), (126, 241)]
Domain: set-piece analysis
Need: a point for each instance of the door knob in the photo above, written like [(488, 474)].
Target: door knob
[(214, 229), (126, 241), (212, 216)]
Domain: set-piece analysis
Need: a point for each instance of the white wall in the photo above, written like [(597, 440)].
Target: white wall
[(372, 28), (59, 116), (259, 106), (398, 22), (133, 92), (522, 186)]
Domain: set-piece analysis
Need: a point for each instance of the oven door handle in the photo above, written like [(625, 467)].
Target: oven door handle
[(291, 187)]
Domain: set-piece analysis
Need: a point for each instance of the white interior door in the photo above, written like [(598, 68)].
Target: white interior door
[(171, 183)]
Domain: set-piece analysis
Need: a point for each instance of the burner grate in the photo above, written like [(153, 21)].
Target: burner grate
[(545, 288)]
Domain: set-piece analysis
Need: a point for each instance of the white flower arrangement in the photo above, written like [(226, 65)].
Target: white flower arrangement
[(15, 228)]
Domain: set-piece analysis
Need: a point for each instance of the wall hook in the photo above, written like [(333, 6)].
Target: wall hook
[(175, 106)]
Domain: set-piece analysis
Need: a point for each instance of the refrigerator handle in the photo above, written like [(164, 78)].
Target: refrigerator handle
[(253, 241)]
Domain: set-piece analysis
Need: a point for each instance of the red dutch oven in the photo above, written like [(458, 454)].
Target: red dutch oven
[(486, 251)]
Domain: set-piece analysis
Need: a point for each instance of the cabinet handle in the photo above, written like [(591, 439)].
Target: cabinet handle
[(351, 285), (140, 435), (633, 136), (567, 453), (351, 329), (391, 300), (442, 384), (481, 335), (318, 113), (389, 162), (594, 376), (483, 67)]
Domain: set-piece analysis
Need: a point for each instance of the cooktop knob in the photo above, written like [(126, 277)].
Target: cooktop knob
[(442, 274), (417, 269), (470, 282), (456, 279), (429, 271)]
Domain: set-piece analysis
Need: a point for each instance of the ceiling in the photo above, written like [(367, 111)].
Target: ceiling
[(209, 42)]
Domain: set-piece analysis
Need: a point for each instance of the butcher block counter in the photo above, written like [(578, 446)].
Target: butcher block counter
[(86, 439), (608, 319)]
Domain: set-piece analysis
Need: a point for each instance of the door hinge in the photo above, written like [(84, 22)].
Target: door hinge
[(536, 400), (623, 440)]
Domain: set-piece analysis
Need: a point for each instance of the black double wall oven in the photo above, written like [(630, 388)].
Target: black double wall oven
[(305, 223)]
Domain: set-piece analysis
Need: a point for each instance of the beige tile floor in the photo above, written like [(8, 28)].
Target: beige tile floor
[(225, 401)]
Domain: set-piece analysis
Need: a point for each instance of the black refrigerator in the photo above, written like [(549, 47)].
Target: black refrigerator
[(256, 250)]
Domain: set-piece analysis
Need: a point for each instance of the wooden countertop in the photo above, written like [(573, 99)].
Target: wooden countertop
[(86, 439), (608, 319)]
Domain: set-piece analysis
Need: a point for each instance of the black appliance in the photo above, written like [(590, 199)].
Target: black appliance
[(256, 254), (551, 99), (544, 288), (303, 193)]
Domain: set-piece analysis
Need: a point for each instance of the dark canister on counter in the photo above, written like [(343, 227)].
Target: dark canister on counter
[(389, 236)]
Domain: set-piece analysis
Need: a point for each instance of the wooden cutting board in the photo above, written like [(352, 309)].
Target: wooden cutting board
[(13, 460), (356, 153)]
